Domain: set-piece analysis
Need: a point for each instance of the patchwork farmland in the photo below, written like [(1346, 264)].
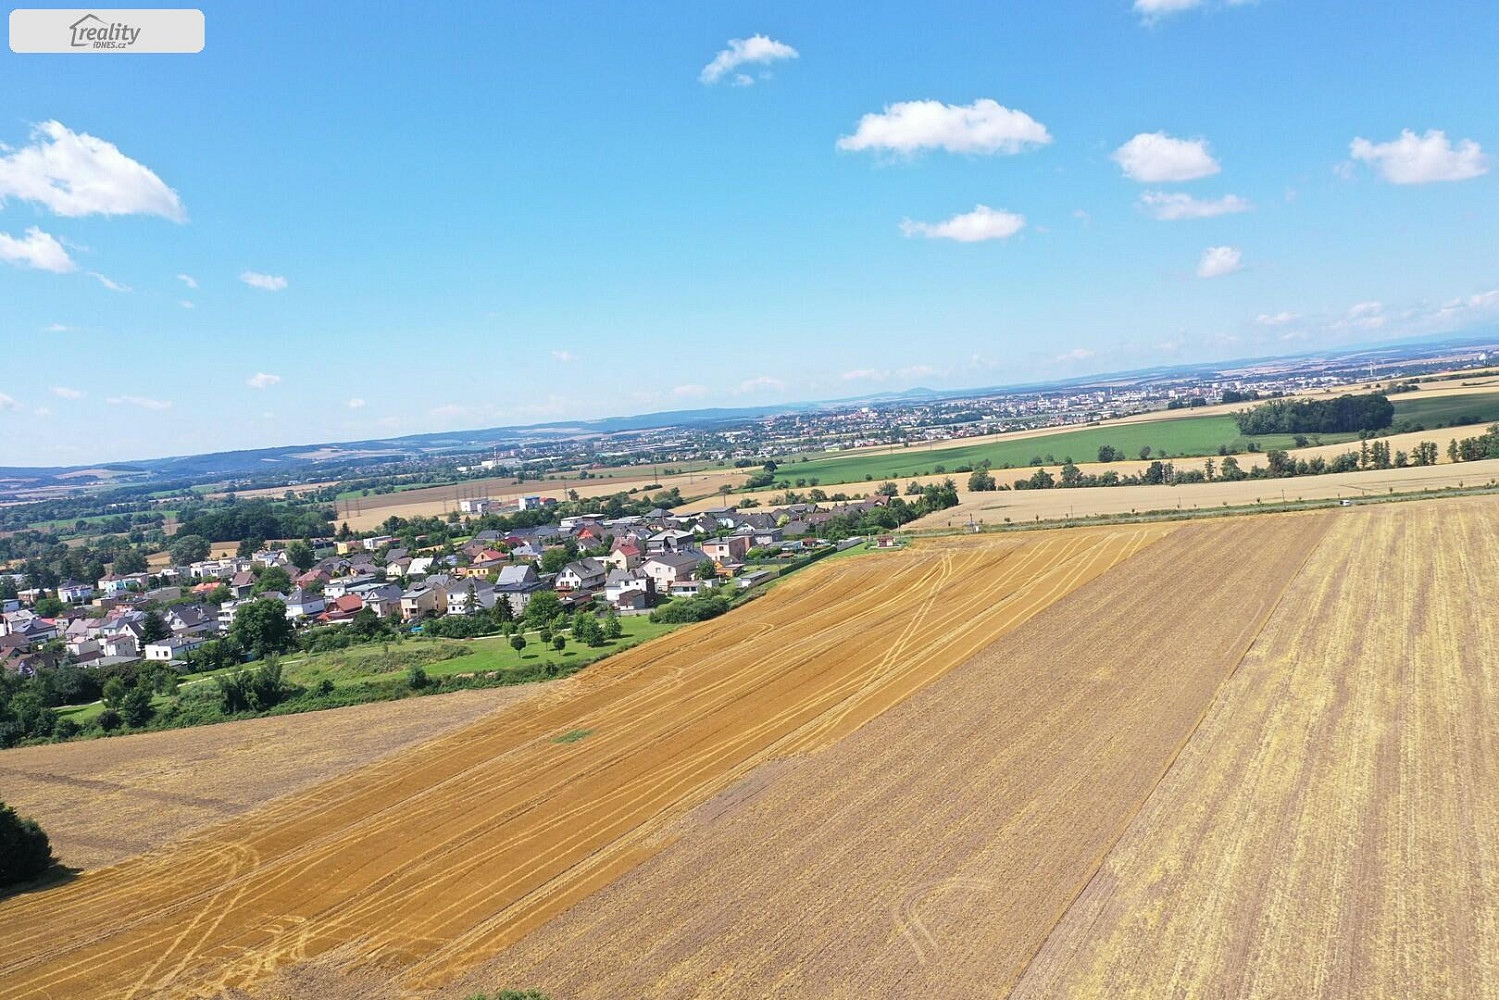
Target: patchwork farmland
[(1248, 757)]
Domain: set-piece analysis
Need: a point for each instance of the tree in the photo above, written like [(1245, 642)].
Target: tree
[(154, 628), (301, 555), (187, 549), (25, 851), (273, 578), (136, 708), (129, 561), (980, 481), (1108, 453), (517, 642), (559, 642), (613, 627), (543, 607), (706, 570), (261, 626), (554, 559), (1145, 453), (48, 607)]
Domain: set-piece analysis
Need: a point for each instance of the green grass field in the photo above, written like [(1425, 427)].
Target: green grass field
[(1176, 438), (1448, 410), (1179, 437)]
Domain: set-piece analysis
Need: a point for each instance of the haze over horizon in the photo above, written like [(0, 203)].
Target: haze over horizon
[(517, 216)]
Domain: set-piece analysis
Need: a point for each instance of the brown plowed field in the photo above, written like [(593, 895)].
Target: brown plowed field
[(429, 861), (929, 853), (1333, 829)]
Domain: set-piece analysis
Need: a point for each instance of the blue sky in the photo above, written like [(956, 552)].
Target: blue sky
[(505, 213)]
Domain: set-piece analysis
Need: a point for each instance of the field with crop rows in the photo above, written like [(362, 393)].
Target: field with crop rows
[(430, 861)]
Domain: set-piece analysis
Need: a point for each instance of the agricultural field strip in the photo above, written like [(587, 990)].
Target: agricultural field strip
[(299, 858), (836, 843), (1331, 831)]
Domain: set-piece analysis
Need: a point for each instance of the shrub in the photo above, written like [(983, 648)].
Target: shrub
[(25, 851)]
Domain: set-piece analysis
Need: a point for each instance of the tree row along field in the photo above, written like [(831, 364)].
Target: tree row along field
[(432, 860), (1333, 828), (929, 853)]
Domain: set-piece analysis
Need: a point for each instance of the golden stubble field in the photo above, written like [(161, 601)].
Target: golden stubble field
[(431, 861)]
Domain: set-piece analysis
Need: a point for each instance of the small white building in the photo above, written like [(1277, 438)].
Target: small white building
[(175, 648)]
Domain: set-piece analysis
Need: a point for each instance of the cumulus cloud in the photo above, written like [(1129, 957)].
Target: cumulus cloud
[(1413, 159), (265, 282), (865, 375), (188, 280), (75, 174), (690, 391), (756, 49), (1169, 206), (113, 286), (67, 393), (262, 380), (762, 383), (355, 404), (1157, 158), (37, 250), (983, 127), (184, 303), (1219, 261), (1276, 319), (1362, 316), (983, 223), (1076, 354), (143, 402), (56, 328), (8, 403), (564, 356)]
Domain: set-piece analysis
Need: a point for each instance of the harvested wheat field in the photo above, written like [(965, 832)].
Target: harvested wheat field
[(104, 800), (929, 853), (1333, 828), (429, 862)]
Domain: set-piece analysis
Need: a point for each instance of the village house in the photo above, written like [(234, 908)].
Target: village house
[(670, 567), (624, 556), (423, 600), (74, 592), (583, 574), (729, 549), (517, 584), (174, 648), (303, 604)]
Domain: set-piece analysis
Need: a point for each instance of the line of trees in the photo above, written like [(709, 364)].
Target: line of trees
[(1343, 414)]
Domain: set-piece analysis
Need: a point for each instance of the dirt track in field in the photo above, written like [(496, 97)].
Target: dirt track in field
[(929, 853), (428, 862), (104, 800), (1332, 830)]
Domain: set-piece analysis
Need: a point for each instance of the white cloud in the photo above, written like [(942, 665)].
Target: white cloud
[(564, 356), (113, 286), (755, 49), (43, 411), (56, 328), (918, 371), (1076, 354), (1157, 158), (355, 404), (261, 380), (1081, 215), (1218, 261), (1155, 8), (690, 391), (184, 303), (36, 249), (8, 403), (1362, 316), (865, 375), (266, 282), (67, 393), (983, 223), (743, 80), (75, 174), (985, 126), (141, 401), (1413, 159), (188, 280), (1170, 206), (1276, 319), (762, 383)]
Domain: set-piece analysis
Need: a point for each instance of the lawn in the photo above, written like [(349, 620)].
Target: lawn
[(1175, 438)]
